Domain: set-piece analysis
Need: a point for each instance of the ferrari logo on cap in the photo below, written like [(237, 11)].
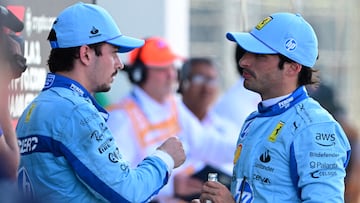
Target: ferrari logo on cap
[(262, 23)]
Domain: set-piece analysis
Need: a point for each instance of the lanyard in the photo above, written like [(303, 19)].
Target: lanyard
[(56, 80), (280, 107)]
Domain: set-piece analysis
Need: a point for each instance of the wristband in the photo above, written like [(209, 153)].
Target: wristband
[(169, 161), (1, 132)]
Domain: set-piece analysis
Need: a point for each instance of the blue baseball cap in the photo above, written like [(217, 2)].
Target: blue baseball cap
[(83, 23), (281, 33)]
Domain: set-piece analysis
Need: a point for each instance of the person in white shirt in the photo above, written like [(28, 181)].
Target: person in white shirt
[(199, 87), (151, 112)]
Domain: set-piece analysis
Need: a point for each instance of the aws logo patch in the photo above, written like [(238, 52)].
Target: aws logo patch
[(325, 139)]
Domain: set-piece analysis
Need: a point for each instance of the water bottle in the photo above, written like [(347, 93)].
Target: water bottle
[(212, 177)]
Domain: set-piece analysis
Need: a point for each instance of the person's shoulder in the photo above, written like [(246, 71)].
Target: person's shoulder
[(64, 96), (310, 112), (125, 103), (182, 108), (64, 102), (311, 119), (222, 123), (218, 118)]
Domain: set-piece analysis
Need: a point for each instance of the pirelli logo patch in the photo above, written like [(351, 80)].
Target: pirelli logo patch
[(276, 131), (262, 23)]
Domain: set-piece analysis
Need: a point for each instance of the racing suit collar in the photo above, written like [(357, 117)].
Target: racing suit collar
[(281, 106), (56, 80)]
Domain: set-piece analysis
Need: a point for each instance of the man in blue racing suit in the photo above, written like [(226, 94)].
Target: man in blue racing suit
[(291, 149), (67, 151)]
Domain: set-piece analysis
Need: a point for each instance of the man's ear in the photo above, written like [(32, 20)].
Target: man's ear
[(183, 86), (293, 68), (84, 54)]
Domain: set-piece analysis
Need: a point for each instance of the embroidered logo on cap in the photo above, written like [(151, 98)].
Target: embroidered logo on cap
[(262, 23), (290, 44), (95, 32)]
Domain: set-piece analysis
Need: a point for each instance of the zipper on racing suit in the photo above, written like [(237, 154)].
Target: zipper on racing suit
[(242, 188)]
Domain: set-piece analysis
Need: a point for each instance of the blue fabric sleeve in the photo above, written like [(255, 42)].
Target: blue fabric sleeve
[(90, 149), (321, 152)]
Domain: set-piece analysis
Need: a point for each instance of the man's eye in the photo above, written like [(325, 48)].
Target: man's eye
[(260, 55)]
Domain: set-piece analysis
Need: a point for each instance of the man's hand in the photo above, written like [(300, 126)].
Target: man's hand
[(174, 148), (185, 185), (216, 192)]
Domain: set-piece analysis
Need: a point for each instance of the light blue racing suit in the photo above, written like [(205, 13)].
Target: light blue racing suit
[(69, 155), (293, 151)]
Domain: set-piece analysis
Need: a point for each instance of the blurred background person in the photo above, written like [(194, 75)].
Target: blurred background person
[(152, 112), (237, 102), (199, 88), (327, 97), (13, 64)]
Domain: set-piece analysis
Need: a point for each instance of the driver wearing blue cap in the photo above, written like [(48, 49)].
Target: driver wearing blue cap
[(290, 149), (67, 151)]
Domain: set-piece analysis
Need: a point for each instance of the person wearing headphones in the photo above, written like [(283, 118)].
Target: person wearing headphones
[(152, 112)]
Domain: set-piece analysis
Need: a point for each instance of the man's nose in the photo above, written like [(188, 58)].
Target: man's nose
[(245, 60), (119, 64)]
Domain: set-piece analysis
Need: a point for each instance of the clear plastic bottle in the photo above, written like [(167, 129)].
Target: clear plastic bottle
[(212, 177)]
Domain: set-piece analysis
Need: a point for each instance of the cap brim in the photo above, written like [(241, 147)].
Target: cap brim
[(126, 43), (248, 42)]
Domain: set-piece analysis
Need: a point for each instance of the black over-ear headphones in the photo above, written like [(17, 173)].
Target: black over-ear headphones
[(137, 72)]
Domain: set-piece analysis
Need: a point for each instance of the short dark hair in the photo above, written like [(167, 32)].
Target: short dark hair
[(307, 75), (239, 52), (62, 59), (184, 73), (186, 68)]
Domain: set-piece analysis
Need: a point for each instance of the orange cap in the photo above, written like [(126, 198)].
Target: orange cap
[(155, 52)]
